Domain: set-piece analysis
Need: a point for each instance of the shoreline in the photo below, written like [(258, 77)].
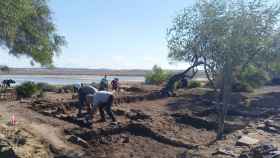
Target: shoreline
[(72, 71)]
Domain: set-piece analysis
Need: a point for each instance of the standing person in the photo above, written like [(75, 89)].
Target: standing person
[(184, 83), (115, 85), (104, 84)]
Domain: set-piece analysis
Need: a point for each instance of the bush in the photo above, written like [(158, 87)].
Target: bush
[(46, 87), (241, 87), (27, 89), (157, 76), (68, 88), (274, 70), (194, 84), (253, 77)]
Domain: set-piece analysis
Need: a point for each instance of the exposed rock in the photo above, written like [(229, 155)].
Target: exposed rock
[(77, 140), (224, 152), (119, 111), (137, 115), (246, 141), (133, 89), (6, 150), (265, 150), (103, 135)]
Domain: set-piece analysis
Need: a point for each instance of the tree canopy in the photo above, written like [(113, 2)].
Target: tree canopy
[(27, 28), (225, 36), (215, 31), (157, 75)]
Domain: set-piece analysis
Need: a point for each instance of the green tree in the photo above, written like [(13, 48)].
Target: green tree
[(26, 28), (157, 75), (222, 35)]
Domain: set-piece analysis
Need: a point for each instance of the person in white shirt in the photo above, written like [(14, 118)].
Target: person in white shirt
[(104, 101)]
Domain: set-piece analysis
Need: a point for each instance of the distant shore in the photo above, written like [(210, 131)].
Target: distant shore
[(78, 71), (70, 71)]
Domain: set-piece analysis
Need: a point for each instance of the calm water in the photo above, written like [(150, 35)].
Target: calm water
[(65, 80)]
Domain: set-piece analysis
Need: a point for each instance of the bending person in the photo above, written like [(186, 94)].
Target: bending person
[(104, 101), (83, 92)]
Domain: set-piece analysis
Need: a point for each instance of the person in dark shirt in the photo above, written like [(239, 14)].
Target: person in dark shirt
[(115, 85), (83, 92), (104, 84)]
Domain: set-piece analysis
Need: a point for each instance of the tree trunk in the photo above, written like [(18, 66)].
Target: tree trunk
[(225, 94), (169, 86)]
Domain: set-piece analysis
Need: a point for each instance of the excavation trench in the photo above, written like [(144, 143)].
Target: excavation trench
[(207, 123), (136, 129)]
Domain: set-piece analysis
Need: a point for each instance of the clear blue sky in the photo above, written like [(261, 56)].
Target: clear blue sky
[(119, 34)]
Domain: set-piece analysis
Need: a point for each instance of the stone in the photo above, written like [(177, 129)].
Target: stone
[(246, 141), (125, 139), (6, 150), (119, 111), (137, 115), (264, 150), (77, 140), (224, 152)]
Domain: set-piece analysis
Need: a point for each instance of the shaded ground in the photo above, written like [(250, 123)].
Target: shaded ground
[(166, 127)]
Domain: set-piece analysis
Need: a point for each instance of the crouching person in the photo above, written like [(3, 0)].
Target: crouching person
[(104, 101)]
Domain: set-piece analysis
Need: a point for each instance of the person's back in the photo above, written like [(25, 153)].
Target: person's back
[(104, 101), (83, 92), (87, 90), (114, 84), (184, 83), (101, 97)]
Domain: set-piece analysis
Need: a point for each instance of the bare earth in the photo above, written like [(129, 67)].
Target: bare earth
[(155, 128)]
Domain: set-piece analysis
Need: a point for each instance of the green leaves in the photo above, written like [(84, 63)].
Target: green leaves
[(244, 32), (26, 28), (157, 76)]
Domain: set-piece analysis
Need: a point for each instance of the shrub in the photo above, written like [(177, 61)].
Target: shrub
[(46, 87), (253, 76), (68, 88), (194, 84), (274, 70), (241, 87), (27, 89), (157, 76)]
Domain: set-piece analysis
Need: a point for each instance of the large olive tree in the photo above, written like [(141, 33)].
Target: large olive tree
[(26, 28), (221, 36)]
